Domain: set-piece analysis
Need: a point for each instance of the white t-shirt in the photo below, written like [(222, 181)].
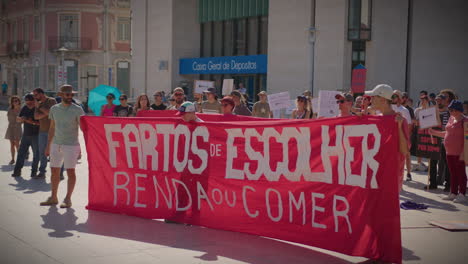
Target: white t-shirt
[(404, 112)]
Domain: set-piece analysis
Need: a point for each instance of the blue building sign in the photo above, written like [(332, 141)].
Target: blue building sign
[(224, 65)]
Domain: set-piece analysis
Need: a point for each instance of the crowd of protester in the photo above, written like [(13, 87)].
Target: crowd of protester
[(445, 169)]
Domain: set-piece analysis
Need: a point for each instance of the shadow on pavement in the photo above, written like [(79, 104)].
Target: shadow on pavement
[(6, 168), (210, 242), (409, 255), (404, 195), (31, 185)]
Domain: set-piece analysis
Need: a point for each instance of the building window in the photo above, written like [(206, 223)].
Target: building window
[(51, 78), (263, 35), (37, 4), (252, 37), (123, 3), (123, 77), (359, 19), (26, 29), (236, 37), (36, 76), (217, 38), (37, 28), (91, 72), (123, 29), (14, 30), (358, 53), (69, 31), (206, 33), (3, 35)]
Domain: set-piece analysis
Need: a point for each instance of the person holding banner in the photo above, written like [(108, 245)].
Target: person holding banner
[(179, 96), (211, 105), (227, 105), (108, 109), (345, 104), (187, 111), (124, 109), (158, 101), (382, 96), (302, 110), (142, 103), (454, 146), (262, 108), (240, 108)]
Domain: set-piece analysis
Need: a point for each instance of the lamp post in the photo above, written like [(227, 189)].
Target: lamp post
[(62, 51)]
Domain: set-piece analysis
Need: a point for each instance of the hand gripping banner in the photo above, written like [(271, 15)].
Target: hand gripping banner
[(329, 183)]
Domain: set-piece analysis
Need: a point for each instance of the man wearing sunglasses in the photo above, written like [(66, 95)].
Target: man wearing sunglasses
[(179, 97), (345, 104), (63, 146), (123, 110)]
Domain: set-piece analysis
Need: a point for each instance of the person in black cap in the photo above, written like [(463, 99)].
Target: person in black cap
[(158, 101), (211, 105), (29, 137)]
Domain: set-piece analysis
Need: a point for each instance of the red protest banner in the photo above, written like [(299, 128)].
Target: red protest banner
[(329, 183), (204, 117), (358, 79)]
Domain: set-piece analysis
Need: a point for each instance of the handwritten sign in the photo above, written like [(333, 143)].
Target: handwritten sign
[(201, 86), (327, 104), (228, 85), (279, 100), (428, 118)]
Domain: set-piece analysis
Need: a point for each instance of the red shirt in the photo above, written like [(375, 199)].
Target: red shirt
[(453, 140)]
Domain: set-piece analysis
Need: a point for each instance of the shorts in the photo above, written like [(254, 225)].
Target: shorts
[(64, 155)]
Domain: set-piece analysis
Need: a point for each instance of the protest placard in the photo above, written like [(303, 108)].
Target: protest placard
[(315, 104), (427, 146), (279, 100), (428, 118), (228, 86), (327, 106), (291, 108), (201, 85)]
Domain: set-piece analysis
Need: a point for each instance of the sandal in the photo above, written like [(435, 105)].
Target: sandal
[(66, 204), (49, 202)]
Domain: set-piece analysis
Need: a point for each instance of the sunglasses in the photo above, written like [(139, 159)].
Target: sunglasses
[(68, 94), (16, 101), (178, 94), (157, 95), (340, 101), (110, 97), (122, 99)]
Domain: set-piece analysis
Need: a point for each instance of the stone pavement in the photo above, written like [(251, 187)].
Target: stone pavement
[(33, 234)]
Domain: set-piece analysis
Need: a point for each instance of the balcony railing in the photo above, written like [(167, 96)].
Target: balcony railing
[(19, 47), (71, 43)]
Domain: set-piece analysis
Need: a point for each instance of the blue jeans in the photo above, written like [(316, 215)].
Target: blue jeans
[(42, 141), (27, 141)]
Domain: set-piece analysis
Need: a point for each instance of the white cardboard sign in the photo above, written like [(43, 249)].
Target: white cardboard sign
[(428, 118), (327, 106), (201, 86), (279, 100), (228, 86)]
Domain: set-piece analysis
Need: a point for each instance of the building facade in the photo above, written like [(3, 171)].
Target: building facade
[(311, 45), (45, 43)]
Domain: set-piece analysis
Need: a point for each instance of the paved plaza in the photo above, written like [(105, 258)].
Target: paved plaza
[(33, 234)]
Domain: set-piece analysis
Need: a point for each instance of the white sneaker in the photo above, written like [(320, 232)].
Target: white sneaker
[(460, 199), (450, 197)]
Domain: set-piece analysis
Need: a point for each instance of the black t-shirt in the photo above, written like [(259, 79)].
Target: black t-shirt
[(123, 111), (411, 111), (29, 129), (158, 107)]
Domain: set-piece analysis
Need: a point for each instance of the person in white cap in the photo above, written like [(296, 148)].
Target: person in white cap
[(187, 111), (381, 101)]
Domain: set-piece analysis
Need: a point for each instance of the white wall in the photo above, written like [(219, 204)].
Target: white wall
[(386, 52), (332, 70), (289, 50), (439, 51)]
